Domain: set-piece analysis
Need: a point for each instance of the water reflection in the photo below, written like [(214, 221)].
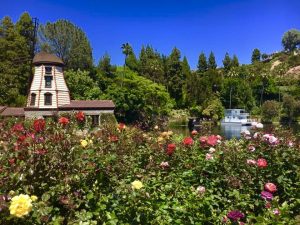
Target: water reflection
[(230, 131)]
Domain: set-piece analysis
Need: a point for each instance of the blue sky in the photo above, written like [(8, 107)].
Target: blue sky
[(234, 26)]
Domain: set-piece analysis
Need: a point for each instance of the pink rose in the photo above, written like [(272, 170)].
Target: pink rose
[(251, 148), (262, 163), (270, 187), (164, 165), (194, 132), (212, 140), (209, 156), (251, 162), (200, 190)]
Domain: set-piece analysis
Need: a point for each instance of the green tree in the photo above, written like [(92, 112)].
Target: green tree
[(202, 63), (130, 59), (81, 85), (212, 61), (186, 72), (151, 65), (227, 62), (68, 42), (15, 66), (264, 56), (291, 39), (291, 107), (139, 99), (214, 109), (256, 56), (175, 77), (25, 28), (237, 93), (105, 67), (270, 110), (235, 61)]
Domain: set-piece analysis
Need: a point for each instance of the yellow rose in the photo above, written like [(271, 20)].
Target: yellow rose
[(164, 134), (20, 205), (11, 193), (83, 143), (33, 198), (137, 184), (170, 133), (160, 139)]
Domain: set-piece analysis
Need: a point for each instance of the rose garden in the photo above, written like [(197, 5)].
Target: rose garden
[(60, 172)]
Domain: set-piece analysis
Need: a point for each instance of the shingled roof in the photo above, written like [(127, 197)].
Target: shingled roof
[(88, 104), (46, 58), (11, 111), (2, 108)]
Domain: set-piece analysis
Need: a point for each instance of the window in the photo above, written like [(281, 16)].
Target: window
[(48, 70), (95, 120), (48, 82), (48, 99), (32, 99)]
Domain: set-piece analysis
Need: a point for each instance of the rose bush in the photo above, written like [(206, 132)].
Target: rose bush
[(114, 175)]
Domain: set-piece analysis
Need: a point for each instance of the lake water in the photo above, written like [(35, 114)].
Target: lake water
[(228, 131)]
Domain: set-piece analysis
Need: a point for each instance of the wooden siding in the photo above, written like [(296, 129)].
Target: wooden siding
[(63, 98), (59, 90)]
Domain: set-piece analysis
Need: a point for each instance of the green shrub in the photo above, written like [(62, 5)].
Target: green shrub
[(86, 178)]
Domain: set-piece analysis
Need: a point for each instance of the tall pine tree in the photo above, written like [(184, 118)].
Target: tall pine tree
[(227, 62), (14, 64), (235, 61), (175, 77), (151, 65), (212, 61), (256, 55), (202, 63), (25, 28)]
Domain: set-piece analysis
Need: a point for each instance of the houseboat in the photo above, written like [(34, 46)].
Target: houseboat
[(236, 116)]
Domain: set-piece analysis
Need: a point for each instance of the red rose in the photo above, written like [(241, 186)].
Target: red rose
[(268, 205), (21, 138), (18, 127), (121, 126), (80, 116), (41, 151), (39, 125), (170, 149), (188, 141), (270, 187), (212, 140), (12, 161), (262, 163), (194, 132), (63, 120), (113, 138)]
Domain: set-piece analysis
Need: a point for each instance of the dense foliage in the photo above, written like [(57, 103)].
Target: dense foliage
[(269, 77), (55, 173), (137, 98), (291, 40), (15, 59), (68, 42)]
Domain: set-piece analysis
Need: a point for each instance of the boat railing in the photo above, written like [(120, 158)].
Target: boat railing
[(237, 114)]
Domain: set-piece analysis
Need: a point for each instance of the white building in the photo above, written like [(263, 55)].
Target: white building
[(49, 94)]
